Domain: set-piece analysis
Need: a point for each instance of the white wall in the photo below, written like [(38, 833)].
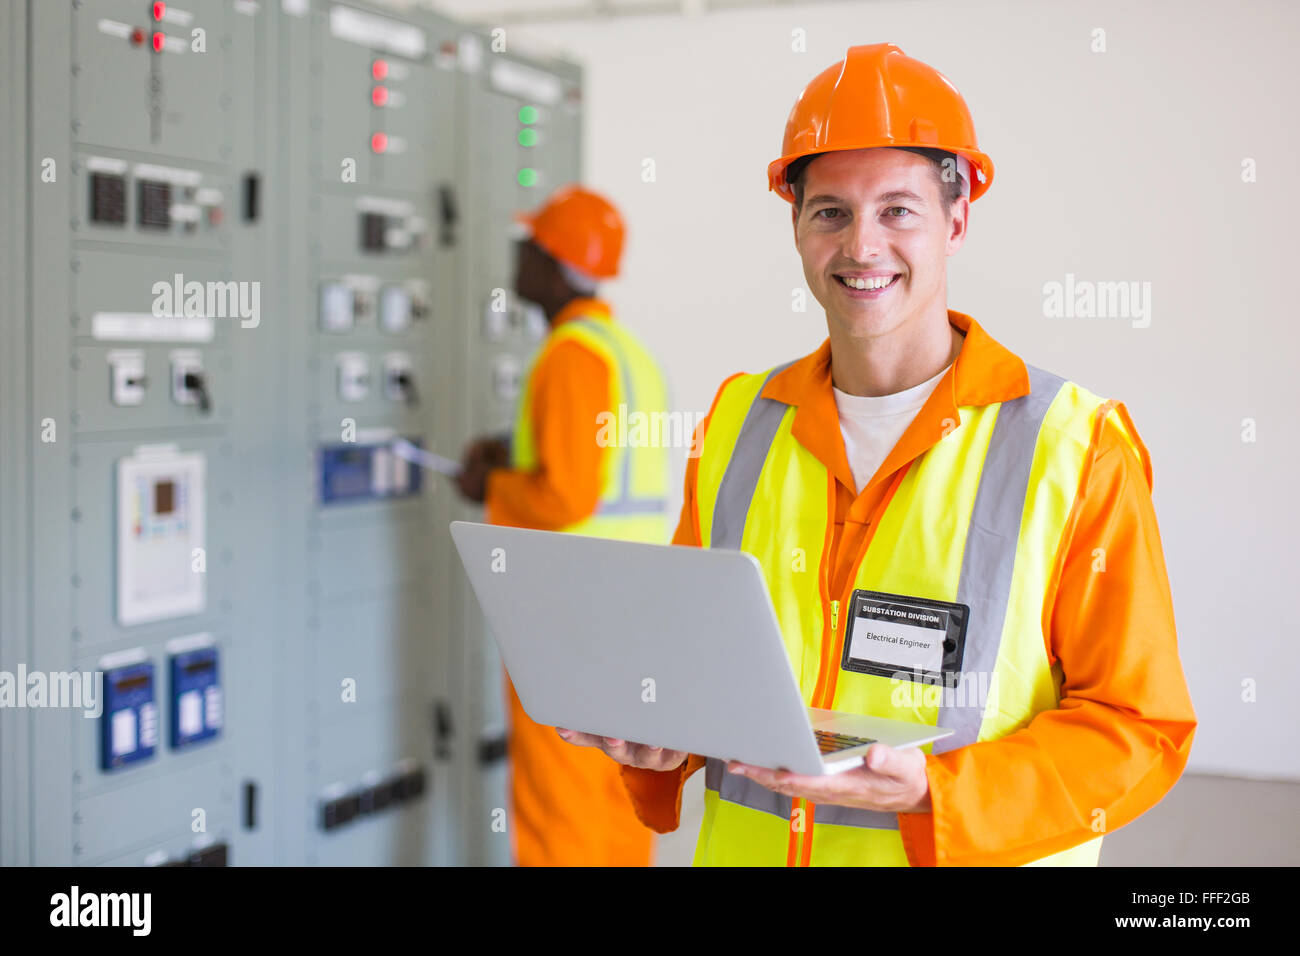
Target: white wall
[(1122, 165)]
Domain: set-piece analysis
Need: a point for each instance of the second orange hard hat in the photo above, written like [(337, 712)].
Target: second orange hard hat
[(580, 228), (879, 96)]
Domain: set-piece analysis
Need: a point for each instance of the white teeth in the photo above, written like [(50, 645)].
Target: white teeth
[(879, 282)]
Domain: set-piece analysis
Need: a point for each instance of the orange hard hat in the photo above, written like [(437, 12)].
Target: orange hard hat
[(879, 96), (580, 228)]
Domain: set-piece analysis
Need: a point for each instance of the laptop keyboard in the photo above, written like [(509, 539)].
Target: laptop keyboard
[(830, 743)]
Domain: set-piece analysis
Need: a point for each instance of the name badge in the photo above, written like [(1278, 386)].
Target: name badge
[(893, 635)]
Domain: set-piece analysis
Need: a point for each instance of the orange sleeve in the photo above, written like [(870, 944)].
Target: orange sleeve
[(1123, 731), (570, 388)]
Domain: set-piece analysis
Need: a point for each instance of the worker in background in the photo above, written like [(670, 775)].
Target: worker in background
[(566, 472), (913, 456)]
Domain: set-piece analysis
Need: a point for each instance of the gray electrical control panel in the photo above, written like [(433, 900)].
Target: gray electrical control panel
[(525, 139), (248, 248)]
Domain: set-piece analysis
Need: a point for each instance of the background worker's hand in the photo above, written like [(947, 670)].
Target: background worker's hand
[(626, 752), (890, 780), (481, 456)]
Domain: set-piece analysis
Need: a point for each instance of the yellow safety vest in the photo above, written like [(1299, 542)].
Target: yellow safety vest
[(636, 471), (977, 520)]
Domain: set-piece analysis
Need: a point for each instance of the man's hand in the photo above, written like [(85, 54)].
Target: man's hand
[(481, 456), (890, 780), (626, 752)]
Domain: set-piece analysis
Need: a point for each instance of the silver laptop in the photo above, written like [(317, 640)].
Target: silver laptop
[(669, 646)]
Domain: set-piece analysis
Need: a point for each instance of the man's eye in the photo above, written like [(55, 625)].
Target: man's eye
[(828, 209), (899, 208)]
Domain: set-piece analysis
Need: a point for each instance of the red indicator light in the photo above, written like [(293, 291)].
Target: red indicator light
[(158, 40), (137, 36), (379, 95), (159, 9), (379, 142), (379, 69)]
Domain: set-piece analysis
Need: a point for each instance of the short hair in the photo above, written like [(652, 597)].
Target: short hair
[(949, 190)]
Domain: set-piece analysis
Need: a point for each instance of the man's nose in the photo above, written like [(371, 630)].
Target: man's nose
[(864, 239)]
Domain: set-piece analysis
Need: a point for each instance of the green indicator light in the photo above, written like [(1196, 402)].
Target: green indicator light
[(528, 114), (528, 137), (527, 177)]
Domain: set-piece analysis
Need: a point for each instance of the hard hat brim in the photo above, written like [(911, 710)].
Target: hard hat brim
[(980, 163)]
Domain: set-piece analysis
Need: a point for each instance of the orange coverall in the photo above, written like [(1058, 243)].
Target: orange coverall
[(569, 807), (1124, 727)]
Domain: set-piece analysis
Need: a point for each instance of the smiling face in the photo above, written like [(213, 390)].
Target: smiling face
[(874, 238)]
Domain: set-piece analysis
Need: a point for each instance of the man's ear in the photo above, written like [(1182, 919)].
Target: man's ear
[(958, 225), (794, 225)]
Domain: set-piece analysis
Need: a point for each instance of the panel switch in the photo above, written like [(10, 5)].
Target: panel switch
[(505, 378), (399, 379), (395, 309), (126, 376), (189, 385), (354, 376), (336, 307)]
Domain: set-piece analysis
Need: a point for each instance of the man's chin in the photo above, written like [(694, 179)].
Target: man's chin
[(865, 322)]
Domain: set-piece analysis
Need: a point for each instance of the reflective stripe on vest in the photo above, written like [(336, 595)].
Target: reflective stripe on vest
[(982, 474), (625, 503), (633, 497)]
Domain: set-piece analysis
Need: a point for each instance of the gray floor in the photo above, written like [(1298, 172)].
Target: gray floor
[(1203, 821)]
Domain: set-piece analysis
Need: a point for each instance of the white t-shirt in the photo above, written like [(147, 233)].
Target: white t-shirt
[(872, 426)]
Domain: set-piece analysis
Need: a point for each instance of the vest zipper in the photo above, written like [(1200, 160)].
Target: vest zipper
[(835, 618)]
